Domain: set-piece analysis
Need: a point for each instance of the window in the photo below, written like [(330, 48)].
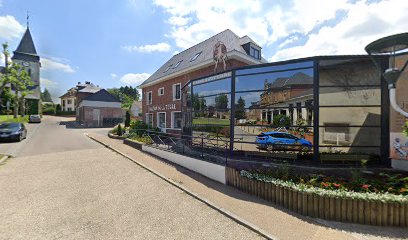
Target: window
[(177, 64), (161, 91), (149, 119), (161, 120), (149, 98), (176, 120), (63, 103), (254, 53), (177, 91), (195, 57), (69, 101), (168, 68)]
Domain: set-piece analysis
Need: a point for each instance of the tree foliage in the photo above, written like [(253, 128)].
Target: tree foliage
[(126, 95), (46, 96), (221, 102), (18, 78), (127, 120), (240, 109), (405, 129)]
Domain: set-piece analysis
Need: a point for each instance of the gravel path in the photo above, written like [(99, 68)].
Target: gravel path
[(97, 194)]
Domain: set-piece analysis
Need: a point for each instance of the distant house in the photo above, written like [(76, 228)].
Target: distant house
[(70, 100), (100, 109), (136, 109)]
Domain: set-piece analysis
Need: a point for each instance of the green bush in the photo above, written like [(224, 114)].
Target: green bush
[(127, 120), (405, 129), (281, 120), (119, 131), (49, 111)]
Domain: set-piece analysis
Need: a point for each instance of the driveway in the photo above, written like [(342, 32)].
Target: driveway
[(62, 185)]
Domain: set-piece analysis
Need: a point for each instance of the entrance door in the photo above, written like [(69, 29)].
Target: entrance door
[(96, 113)]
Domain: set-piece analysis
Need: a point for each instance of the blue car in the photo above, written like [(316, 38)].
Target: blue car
[(277, 140)]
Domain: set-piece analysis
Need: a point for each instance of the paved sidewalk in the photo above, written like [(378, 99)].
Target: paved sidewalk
[(265, 215), (98, 194)]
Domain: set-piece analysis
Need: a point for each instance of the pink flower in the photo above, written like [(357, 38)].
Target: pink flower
[(336, 184), (365, 186)]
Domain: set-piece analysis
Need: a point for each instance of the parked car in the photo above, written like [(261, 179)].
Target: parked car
[(13, 131), (281, 140), (34, 119)]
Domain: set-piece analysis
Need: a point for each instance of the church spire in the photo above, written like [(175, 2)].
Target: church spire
[(26, 45)]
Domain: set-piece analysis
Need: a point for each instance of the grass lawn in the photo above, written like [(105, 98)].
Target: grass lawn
[(214, 121), (10, 118)]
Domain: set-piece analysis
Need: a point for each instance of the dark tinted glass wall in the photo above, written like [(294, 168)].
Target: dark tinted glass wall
[(304, 111)]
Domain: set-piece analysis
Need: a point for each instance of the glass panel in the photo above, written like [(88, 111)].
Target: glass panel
[(287, 136), (349, 136), (289, 66), (162, 120), (348, 72), (349, 154), (213, 87), (349, 96), (354, 116), (220, 119), (276, 82), (213, 104), (177, 119)]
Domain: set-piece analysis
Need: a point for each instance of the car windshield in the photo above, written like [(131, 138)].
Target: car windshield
[(11, 126), (34, 116)]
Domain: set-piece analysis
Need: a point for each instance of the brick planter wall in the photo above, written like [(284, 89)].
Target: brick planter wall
[(330, 208)]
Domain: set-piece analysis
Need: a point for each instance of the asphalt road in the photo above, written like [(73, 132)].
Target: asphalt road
[(51, 135), (62, 185)]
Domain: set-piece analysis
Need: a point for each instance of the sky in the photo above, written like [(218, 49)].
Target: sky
[(122, 42)]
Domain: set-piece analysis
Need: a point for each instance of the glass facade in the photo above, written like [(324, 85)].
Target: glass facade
[(306, 111)]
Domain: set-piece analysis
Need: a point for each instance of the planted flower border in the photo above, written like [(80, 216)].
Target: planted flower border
[(339, 205)]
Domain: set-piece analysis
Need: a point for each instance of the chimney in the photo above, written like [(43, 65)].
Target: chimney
[(87, 82), (79, 83)]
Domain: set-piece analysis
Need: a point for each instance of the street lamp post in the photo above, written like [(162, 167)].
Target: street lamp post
[(390, 46)]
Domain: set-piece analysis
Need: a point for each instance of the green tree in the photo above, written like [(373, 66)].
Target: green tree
[(127, 120), (126, 95), (46, 96), (221, 102), (405, 129), (281, 120), (19, 80), (240, 109)]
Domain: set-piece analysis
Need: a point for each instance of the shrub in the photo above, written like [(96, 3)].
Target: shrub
[(405, 129), (49, 111), (281, 120), (127, 120), (119, 130)]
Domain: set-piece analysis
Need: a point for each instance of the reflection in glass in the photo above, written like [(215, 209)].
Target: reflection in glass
[(213, 87), (212, 105), (350, 116), (276, 82), (349, 96), (348, 72), (275, 68), (341, 135)]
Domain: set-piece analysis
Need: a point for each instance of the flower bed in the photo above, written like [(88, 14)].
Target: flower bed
[(333, 204)]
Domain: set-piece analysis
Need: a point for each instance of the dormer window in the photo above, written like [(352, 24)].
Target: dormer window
[(168, 68), (177, 64), (195, 57), (255, 53)]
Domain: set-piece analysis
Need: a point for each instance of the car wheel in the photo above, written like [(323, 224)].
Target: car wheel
[(20, 138), (269, 147)]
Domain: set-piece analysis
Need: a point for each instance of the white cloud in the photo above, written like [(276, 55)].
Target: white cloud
[(10, 28), (50, 65), (52, 87), (134, 78), (289, 29), (113, 75), (159, 47), (363, 24), (47, 83)]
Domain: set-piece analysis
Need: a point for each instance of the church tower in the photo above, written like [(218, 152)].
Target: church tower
[(26, 56)]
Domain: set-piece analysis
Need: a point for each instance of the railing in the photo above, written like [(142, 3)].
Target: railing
[(208, 148)]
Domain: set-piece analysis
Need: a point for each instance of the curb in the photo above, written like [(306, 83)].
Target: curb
[(4, 158), (221, 210)]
